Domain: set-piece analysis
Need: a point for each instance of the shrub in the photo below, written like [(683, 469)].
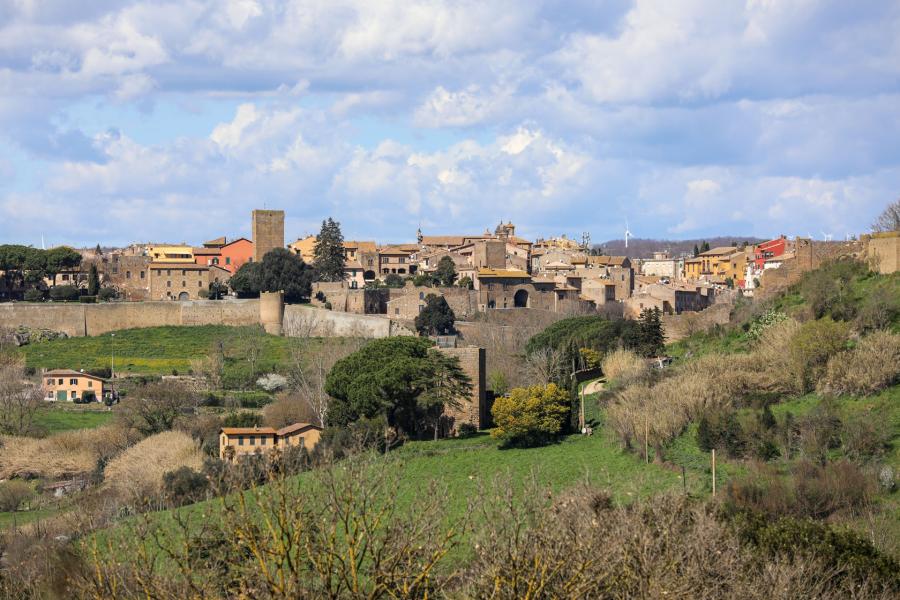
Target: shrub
[(13, 494), (873, 365), (34, 296), (272, 382), (137, 473), (820, 431), (720, 430), (530, 416), (64, 293), (866, 436), (184, 486), (763, 322), (87, 299), (811, 347), (879, 310), (466, 430), (242, 419), (107, 293), (624, 367)]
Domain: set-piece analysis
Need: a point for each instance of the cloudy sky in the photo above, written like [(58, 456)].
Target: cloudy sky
[(124, 121)]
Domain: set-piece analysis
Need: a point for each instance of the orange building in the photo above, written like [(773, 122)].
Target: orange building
[(235, 442), (66, 384), (230, 256)]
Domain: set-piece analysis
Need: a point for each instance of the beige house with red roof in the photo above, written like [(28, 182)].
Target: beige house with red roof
[(66, 384), (235, 442)]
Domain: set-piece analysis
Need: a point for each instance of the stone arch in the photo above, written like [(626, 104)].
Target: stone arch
[(520, 300), (184, 296), (369, 275)]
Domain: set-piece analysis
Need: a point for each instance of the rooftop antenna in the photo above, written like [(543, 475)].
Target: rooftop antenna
[(586, 240), (627, 234)]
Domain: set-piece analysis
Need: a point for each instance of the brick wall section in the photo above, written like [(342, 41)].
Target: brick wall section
[(474, 408), (883, 251), (268, 232)]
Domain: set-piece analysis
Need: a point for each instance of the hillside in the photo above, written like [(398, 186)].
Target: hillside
[(645, 247)]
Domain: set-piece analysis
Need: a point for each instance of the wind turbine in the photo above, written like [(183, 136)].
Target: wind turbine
[(627, 234), (826, 236)]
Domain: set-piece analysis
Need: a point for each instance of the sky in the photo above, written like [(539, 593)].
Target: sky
[(127, 121)]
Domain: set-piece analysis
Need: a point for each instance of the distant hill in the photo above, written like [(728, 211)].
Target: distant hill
[(644, 247)]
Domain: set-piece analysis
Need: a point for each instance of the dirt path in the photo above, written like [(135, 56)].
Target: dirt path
[(594, 387)]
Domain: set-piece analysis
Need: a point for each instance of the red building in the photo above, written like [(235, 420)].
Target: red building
[(229, 256), (766, 250)]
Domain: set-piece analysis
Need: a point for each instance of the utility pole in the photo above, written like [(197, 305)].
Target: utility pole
[(112, 365), (714, 472), (646, 441)]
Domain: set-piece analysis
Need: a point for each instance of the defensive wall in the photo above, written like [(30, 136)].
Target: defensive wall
[(78, 320)]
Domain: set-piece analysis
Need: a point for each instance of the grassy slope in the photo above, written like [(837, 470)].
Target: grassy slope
[(55, 419), (153, 350)]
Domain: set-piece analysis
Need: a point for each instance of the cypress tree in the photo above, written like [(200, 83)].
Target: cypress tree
[(93, 286), (329, 259)]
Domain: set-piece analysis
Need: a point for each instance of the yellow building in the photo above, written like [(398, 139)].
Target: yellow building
[(305, 247), (717, 265), (66, 384), (235, 442), (171, 254)]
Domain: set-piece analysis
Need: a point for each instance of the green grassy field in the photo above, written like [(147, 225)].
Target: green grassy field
[(54, 419), (153, 350), (19, 518)]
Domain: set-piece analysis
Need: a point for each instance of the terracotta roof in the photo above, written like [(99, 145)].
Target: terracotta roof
[(607, 260), (240, 239), (443, 240), (289, 429), (251, 430), (216, 242), (503, 273), (361, 246), (719, 251), (72, 373), (396, 250), (179, 265), (205, 251), (353, 264)]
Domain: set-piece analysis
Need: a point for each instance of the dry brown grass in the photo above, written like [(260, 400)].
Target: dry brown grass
[(867, 369), (137, 473), (624, 367), (63, 454)]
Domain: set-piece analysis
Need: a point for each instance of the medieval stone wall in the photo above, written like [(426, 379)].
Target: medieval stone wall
[(472, 409)]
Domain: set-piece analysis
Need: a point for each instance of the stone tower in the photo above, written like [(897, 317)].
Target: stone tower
[(268, 232)]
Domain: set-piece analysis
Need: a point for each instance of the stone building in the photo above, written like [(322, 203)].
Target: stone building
[(179, 281), (268, 232)]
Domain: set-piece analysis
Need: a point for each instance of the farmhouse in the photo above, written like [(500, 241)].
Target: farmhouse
[(235, 442), (66, 384)]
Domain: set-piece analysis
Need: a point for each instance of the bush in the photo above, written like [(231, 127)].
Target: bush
[(34, 296), (820, 431), (811, 348), (530, 416), (272, 382), (242, 419), (873, 365), (720, 430), (625, 367), (13, 494), (64, 293), (184, 486), (137, 473), (107, 293), (466, 430), (866, 437), (87, 299)]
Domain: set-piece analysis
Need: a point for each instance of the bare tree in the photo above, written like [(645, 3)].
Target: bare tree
[(212, 367), (19, 398), (889, 220), (544, 366), (157, 406), (310, 362)]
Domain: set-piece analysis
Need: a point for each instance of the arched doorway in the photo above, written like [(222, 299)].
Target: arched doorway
[(369, 275), (184, 296), (520, 300)]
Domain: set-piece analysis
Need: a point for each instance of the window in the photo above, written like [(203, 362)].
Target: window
[(50, 382), (168, 284), (401, 260), (262, 441), (60, 382), (252, 440), (168, 272), (396, 311), (127, 274), (73, 382), (421, 295), (240, 440), (183, 272), (90, 384), (215, 261), (72, 395), (199, 284), (50, 395), (142, 274), (65, 277), (183, 283), (227, 260)]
